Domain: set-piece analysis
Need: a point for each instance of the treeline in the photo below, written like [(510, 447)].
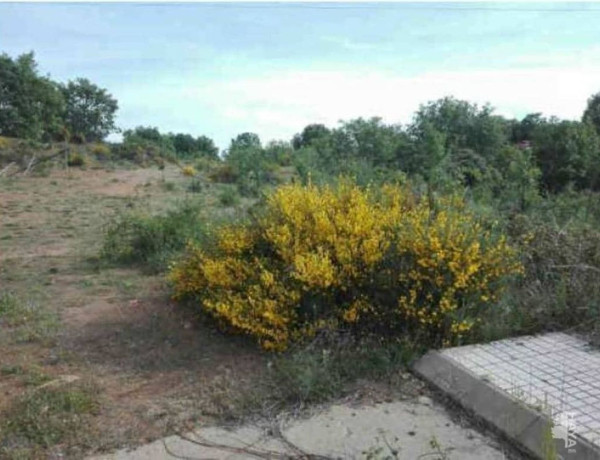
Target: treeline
[(35, 107), (146, 143), (449, 142)]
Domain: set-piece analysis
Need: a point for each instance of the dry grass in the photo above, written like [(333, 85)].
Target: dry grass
[(151, 369), (114, 327)]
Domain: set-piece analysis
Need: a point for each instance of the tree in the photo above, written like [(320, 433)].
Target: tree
[(245, 141), (30, 105), (249, 163), (311, 135), (524, 130), (371, 139), (568, 152), (207, 147), (146, 143), (89, 110), (186, 146), (464, 126), (592, 112), (143, 133)]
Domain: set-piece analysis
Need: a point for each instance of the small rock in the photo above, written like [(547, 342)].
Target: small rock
[(425, 401)]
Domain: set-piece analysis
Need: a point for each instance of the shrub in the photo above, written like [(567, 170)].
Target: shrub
[(223, 173), (324, 367), (76, 159), (229, 197), (195, 186), (136, 238), (102, 151), (561, 286), (188, 171), (375, 261)]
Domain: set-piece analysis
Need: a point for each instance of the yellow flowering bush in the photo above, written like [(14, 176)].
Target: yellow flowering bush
[(188, 171), (382, 261)]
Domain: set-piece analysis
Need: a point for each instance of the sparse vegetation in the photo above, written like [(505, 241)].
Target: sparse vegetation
[(384, 241), (47, 417), (25, 322), (152, 241)]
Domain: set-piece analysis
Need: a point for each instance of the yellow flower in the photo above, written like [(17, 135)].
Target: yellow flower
[(188, 171)]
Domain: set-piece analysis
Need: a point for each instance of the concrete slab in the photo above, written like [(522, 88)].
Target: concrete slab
[(418, 429), (543, 391)]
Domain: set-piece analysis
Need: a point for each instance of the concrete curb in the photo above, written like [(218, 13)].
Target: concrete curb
[(529, 428)]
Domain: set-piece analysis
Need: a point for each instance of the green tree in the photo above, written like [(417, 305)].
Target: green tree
[(207, 147), (464, 125), (568, 152), (30, 105), (249, 163), (592, 111), (524, 129), (245, 141), (311, 136), (89, 111), (472, 137), (187, 147), (373, 140), (145, 143)]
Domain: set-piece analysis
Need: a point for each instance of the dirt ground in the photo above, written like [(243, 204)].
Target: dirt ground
[(118, 329), (152, 368)]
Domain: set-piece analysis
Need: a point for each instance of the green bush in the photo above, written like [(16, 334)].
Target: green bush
[(102, 151), (561, 286), (76, 159), (322, 370), (195, 186), (229, 197), (139, 238), (223, 173)]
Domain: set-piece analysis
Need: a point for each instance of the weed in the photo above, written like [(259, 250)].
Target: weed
[(30, 376), (45, 417), (323, 369), (26, 321), (168, 186)]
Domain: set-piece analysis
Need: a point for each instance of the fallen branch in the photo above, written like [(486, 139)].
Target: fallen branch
[(29, 165), (577, 266), (34, 162), (249, 449), (6, 168)]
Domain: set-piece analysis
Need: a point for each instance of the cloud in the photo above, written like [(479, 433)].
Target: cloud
[(277, 105)]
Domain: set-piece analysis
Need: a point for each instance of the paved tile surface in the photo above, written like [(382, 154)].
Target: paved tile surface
[(557, 373)]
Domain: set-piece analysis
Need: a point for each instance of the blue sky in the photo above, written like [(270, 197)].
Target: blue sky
[(222, 69)]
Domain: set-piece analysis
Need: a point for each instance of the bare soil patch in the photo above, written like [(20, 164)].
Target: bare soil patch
[(152, 367)]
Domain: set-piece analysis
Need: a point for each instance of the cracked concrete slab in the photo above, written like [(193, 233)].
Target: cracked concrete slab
[(409, 429)]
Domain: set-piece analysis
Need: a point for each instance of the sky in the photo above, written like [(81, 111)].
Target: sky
[(220, 69)]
